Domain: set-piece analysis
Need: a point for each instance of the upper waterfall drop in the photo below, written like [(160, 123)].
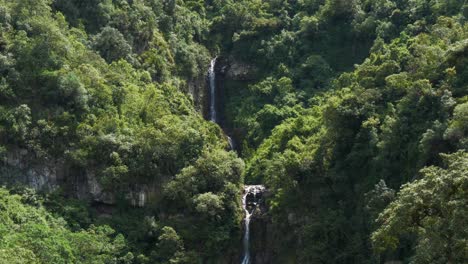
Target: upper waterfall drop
[(212, 83), (212, 86)]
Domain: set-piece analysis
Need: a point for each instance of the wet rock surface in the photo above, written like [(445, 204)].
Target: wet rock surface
[(254, 202)]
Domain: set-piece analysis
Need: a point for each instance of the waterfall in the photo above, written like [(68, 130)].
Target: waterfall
[(250, 200), (252, 193), (212, 84), (231, 142), (212, 81)]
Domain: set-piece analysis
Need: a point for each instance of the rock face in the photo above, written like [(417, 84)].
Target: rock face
[(256, 224), (261, 239), (198, 90), (19, 167), (232, 76), (22, 167), (238, 71)]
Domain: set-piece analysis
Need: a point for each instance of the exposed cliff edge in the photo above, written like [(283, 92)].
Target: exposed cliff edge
[(198, 91), (21, 167), (261, 233), (236, 70), (232, 77)]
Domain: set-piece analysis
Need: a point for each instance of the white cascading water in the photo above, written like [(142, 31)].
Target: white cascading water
[(212, 79), (249, 209), (231, 143), (212, 82), (252, 190)]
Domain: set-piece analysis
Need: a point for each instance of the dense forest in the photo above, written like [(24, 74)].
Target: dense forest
[(352, 113)]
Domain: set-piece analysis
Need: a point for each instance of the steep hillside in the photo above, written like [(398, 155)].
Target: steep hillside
[(351, 114)]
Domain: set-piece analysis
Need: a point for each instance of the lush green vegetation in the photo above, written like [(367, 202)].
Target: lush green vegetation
[(354, 116), (99, 86), (350, 101), (30, 234), (434, 209)]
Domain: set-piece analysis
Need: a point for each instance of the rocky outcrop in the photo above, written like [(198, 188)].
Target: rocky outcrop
[(21, 167), (261, 233), (261, 239), (198, 90), (257, 248), (232, 76), (236, 70)]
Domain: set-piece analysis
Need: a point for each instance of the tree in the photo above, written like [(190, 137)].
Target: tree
[(434, 208), (457, 131), (169, 246), (203, 201), (111, 44), (31, 234), (208, 204)]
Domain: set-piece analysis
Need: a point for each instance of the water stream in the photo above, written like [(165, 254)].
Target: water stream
[(212, 84), (252, 193), (250, 200)]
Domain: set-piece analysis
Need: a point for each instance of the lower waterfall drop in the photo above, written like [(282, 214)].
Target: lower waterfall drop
[(250, 201)]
